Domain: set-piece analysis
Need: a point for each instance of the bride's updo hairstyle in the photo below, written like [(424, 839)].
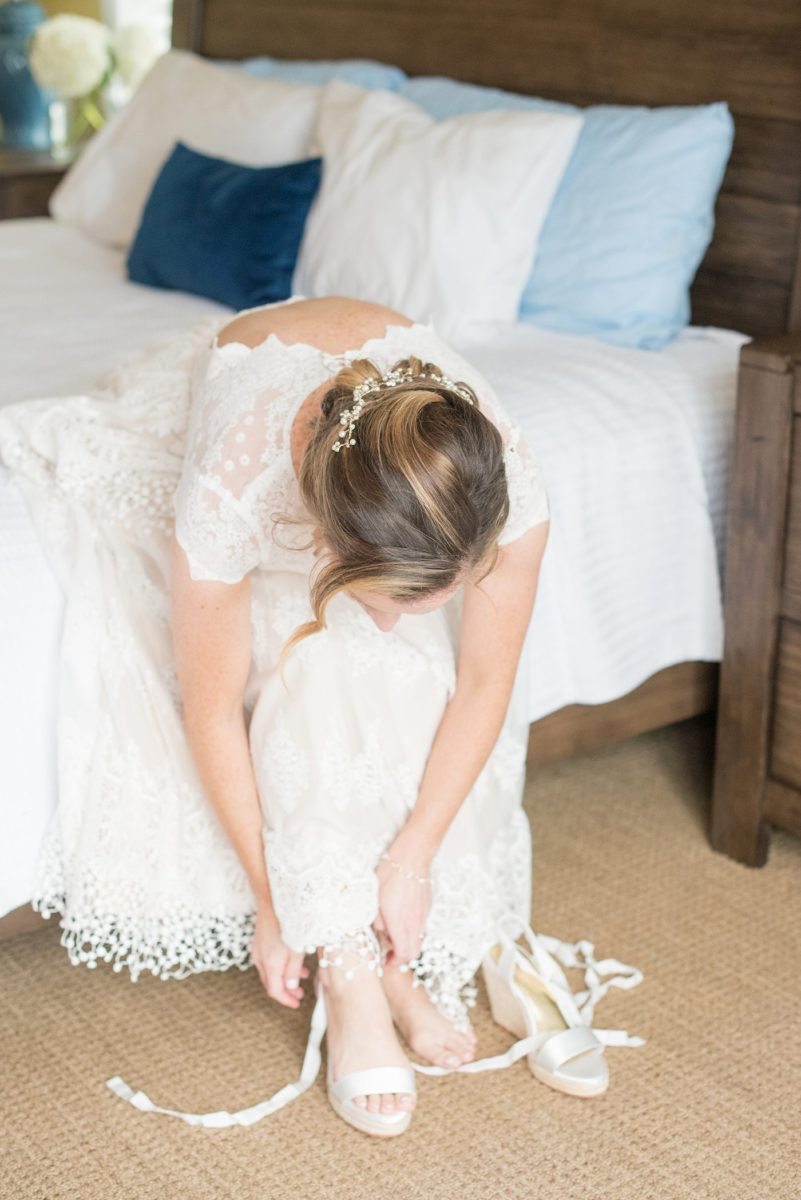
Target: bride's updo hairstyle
[(419, 498)]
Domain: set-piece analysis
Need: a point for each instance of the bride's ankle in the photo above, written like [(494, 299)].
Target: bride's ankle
[(357, 955), (337, 971)]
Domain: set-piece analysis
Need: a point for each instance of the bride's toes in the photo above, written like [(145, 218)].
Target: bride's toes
[(386, 1102), (464, 1045), (362, 1038), (456, 1051), (427, 1031)]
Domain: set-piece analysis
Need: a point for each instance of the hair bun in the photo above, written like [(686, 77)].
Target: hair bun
[(345, 382)]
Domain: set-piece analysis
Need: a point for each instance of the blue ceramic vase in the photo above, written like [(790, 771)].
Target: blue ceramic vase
[(24, 107)]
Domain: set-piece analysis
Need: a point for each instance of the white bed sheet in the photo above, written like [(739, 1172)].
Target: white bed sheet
[(635, 449), (634, 446)]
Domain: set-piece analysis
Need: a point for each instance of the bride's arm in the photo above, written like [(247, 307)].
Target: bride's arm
[(211, 637), (495, 617)]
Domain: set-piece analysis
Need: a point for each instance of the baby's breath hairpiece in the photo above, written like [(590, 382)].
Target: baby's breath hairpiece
[(349, 416)]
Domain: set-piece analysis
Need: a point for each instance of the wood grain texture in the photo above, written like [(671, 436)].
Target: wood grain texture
[(25, 196), (785, 757), (755, 547), (674, 694), (791, 599), (27, 179), (652, 52), (781, 354), (783, 806)]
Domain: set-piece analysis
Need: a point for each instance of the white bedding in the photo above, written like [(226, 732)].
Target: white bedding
[(634, 446)]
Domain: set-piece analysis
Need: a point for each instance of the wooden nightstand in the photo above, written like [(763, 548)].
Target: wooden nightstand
[(758, 750), (27, 177)]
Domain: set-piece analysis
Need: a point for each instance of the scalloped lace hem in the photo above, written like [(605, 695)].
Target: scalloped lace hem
[(185, 943)]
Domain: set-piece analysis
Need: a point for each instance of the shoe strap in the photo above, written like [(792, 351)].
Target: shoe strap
[(374, 1081), (558, 1048), (567, 953), (549, 952), (245, 1116), (495, 1062)]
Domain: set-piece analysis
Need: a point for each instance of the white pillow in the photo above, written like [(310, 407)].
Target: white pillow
[(217, 110), (437, 219)]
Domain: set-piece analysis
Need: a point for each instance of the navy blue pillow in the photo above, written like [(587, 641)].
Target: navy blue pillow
[(223, 230)]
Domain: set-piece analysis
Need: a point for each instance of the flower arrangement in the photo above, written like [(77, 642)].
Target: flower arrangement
[(81, 60)]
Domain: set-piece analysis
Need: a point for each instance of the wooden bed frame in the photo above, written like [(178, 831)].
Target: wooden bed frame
[(651, 52)]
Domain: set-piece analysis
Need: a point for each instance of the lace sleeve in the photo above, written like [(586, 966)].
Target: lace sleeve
[(528, 499), (215, 535), (232, 448)]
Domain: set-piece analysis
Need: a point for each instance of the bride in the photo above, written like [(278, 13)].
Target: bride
[(299, 551)]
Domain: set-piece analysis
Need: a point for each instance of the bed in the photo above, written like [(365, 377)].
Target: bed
[(606, 655), (642, 52)]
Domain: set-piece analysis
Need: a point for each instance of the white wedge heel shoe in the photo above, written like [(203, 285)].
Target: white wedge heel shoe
[(341, 1092), (370, 1081), (530, 996), (565, 1052)]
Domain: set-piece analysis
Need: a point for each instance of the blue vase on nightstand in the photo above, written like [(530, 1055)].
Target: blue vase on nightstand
[(24, 107)]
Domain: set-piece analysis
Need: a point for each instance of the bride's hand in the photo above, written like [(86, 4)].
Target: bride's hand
[(403, 907), (277, 964)]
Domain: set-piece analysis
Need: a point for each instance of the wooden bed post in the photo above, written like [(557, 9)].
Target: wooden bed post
[(754, 560), (187, 24)]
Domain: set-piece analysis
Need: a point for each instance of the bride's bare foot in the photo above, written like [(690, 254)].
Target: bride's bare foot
[(360, 1031), (428, 1033)]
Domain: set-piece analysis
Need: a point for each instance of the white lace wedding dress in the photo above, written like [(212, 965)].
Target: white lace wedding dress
[(194, 435)]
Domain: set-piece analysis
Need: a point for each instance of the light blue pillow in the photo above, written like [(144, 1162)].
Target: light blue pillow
[(631, 219), (363, 71)]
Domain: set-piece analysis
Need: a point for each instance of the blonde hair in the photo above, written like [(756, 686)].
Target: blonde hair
[(420, 497)]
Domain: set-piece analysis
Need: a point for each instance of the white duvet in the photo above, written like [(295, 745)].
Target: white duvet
[(634, 446)]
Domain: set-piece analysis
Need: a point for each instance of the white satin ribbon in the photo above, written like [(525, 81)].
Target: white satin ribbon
[(245, 1116), (566, 953)]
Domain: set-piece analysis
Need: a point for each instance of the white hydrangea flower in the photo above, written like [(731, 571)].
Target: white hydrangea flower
[(136, 49), (70, 55)]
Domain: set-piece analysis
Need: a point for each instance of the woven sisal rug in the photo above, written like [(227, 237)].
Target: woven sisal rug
[(708, 1109)]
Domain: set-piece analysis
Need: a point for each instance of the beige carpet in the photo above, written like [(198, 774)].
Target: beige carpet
[(708, 1108)]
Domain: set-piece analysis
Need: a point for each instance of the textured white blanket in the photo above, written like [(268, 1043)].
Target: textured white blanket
[(634, 447)]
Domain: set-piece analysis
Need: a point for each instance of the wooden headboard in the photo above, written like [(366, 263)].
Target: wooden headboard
[(654, 52)]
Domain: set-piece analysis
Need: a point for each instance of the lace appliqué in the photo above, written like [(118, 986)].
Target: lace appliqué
[(447, 978), (363, 943), (172, 944), (322, 894), (528, 501), (331, 899)]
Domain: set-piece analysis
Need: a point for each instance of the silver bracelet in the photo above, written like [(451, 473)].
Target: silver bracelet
[(405, 870)]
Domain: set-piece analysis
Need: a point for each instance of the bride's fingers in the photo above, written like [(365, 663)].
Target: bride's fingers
[(294, 971)]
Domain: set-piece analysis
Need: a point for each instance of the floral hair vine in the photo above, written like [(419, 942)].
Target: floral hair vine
[(349, 416)]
